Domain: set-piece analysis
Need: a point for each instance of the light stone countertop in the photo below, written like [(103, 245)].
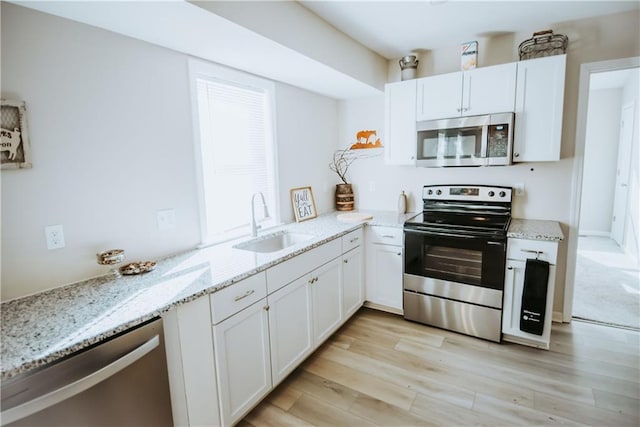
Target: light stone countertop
[(534, 229), (47, 326)]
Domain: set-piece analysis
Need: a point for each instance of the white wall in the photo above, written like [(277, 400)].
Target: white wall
[(600, 161), (548, 185), (111, 137)]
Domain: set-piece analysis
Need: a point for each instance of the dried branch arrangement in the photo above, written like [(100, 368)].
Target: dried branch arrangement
[(342, 159)]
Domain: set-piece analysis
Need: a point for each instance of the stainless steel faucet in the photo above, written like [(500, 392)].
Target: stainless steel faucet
[(254, 226)]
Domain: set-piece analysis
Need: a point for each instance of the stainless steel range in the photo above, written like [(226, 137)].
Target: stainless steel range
[(454, 259)]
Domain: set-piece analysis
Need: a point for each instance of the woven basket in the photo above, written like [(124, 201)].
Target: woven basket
[(543, 43)]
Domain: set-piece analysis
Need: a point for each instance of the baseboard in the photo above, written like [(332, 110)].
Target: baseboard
[(380, 307), (557, 317), (594, 233)]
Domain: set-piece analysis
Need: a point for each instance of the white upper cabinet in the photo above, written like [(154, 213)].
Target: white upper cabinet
[(489, 90), (470, 93), (400, 123), (539, 105), (439, 97)]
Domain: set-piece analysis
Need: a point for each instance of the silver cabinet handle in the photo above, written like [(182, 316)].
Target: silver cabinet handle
[(266, 308), (529, 251), (346, 261), (516, 154), (355, 239), (388, 236), (70, 390), (246, 294), (399, 253), (509, 268)]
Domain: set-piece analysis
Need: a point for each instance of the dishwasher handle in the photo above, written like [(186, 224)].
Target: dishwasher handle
[(69, 390)]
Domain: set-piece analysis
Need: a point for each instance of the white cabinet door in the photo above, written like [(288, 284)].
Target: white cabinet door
[(539, 107), (474, 92), (518, 250), (290, 327), (191, 365), (327, 299), (384, 276), (242, 361), (400, 123), (489, 90), (439, 97), (352, 282)]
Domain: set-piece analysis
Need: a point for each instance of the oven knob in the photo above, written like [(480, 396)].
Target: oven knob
[(430, 192), (491, 194), (502, 194), (438, 192)]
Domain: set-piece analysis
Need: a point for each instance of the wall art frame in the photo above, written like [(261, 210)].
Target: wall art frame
[(15, 148), (304, 206)]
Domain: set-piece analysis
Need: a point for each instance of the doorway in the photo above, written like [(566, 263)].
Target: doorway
[(603, 280)]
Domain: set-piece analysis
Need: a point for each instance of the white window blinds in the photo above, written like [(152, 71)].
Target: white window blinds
[(237, 154)]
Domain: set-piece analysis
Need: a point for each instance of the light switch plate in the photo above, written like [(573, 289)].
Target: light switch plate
[(166, 219)]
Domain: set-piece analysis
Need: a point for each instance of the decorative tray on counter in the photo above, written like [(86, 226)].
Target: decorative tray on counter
[(137, 267)]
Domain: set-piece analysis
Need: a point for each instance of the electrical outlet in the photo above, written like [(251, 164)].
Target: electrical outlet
[(55, 236), (166, 219), (519, 189)]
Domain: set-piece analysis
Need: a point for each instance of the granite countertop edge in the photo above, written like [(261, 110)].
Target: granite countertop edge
[(535, 229), (12, 367)]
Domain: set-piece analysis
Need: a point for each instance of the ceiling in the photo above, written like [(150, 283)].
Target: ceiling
[(395, 28)]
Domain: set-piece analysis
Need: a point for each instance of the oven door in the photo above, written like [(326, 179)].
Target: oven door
[(467, 259)]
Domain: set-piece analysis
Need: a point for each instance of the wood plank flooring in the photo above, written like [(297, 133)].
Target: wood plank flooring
[(380, 370)]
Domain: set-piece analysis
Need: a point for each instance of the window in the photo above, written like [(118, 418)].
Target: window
[(233, 121)]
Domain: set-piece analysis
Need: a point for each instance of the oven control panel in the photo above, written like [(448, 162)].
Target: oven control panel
[(481, 193)]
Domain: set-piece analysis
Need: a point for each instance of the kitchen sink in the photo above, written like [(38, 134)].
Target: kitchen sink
[(273, 242)]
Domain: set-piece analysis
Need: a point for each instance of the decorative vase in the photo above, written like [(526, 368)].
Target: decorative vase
[(344, 197)]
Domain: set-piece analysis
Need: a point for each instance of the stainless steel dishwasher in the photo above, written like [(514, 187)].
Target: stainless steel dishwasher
[(119, 382)]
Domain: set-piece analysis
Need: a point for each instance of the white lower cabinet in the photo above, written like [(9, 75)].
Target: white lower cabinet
[(384, 268), (190, 363), (518, 251), (290, 327), (243, 361), (227, 351), (302, 315), (326, 295), (352, 282)]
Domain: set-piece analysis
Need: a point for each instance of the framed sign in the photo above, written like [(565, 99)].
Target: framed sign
[(15, 151), (304, 207)]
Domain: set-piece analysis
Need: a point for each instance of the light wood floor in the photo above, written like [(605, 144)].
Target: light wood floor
[(379, 369)]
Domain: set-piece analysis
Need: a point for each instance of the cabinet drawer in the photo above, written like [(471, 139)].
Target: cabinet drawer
[(352, 240), (522, 249), (238, 296), (288, 271), (385, 235)]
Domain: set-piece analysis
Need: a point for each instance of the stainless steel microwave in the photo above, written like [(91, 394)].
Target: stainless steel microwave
[(466, 141)]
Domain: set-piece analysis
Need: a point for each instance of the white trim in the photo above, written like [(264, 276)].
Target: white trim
[(210, 71), (557, 317), (576, 183), (595, 233)]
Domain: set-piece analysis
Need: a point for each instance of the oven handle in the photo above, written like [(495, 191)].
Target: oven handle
[(460, 236)]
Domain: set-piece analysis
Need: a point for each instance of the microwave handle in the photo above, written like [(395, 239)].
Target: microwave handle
[(485, 141)]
